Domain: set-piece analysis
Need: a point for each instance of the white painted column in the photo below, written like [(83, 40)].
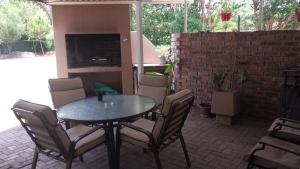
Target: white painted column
[(185, 16), (139, 32)]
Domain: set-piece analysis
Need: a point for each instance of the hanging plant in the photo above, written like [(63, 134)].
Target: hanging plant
[(226, 16), (226, 11)]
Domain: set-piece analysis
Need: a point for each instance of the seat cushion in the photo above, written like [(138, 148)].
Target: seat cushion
[(274, 158), (137, 137), (65, 90), (155, 81), (87, 143), (156, 93), (285, 133)]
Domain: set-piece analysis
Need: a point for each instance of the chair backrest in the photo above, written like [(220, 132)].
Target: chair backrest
[(155, 87), (65, 90), (174, 113), (41, 124)]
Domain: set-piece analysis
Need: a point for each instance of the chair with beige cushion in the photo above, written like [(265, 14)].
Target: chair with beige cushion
[(41, 124), (65, 90), (157, 135), (155, 87), (274, 153), (285, 129)]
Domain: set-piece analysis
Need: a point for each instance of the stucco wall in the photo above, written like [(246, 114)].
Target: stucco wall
[(93, 19)]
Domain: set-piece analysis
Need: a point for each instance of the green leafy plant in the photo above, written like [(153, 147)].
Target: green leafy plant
[(228, 81), (38, 28), (218, 80), (170, 68)]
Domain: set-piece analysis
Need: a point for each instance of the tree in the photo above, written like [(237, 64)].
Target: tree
[(38, 28), (11, 26), (279, 14)]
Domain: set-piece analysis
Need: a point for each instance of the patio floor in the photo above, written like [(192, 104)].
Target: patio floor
[(210, 146)]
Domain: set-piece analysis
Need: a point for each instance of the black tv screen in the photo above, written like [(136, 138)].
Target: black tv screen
[(84, 50)]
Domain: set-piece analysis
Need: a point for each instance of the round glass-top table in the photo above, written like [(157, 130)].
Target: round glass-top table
[(112, 108)]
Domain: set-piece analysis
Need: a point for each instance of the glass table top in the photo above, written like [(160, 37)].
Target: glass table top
[(111, 108)]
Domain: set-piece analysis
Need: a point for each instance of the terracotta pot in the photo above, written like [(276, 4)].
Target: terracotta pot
[(297, 13), (225, 16)]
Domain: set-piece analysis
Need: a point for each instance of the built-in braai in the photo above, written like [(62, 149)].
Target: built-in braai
[(85, 50)]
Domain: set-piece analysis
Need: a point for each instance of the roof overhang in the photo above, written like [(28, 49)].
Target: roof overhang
[(86, 2)]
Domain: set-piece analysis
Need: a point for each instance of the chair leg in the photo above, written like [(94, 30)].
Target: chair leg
[(118, 146), (69, 163), (157, 160), (35, 158), (81, 158), (185, 151)]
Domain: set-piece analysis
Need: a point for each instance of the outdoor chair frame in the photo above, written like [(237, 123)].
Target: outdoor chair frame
[(170, 130), (62, 154)]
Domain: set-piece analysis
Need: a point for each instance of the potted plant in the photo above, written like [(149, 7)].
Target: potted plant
[(164, 52), (225, 98), (226, 16), (226, 13)]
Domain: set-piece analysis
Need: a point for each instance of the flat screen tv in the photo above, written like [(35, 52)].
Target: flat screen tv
[(84, 50)]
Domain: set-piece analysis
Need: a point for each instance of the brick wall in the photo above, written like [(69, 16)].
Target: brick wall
[(262, 54)]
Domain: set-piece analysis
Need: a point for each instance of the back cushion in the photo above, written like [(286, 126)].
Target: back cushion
[(64, 91), (154, 87), (171, 98), (157, 93), (30, 113), (168, 102)]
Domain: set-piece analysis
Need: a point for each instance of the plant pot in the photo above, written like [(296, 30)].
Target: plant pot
[(297, 14), (225, 105), (163, 59), (205, 110), (225, 16)]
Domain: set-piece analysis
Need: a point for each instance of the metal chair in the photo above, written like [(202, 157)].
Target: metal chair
[(274, 153), (285, 129), (65, 90), (155, 87), (41, 124), (156, 136)]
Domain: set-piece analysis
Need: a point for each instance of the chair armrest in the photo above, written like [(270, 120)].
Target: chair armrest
[(280, 144), (149, 134), (74, 142), (289, 120), (286, 125)]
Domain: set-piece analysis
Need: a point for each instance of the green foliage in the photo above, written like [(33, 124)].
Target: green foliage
[(170, 67), (153, 74), (23, 19), (164, 50), (160, 21), (218, 80), (38, 28), (227, 81), (11, 26), (279, 14)]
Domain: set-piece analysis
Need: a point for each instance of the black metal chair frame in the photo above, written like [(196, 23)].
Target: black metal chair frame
[(63, 156), (162, 141)]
